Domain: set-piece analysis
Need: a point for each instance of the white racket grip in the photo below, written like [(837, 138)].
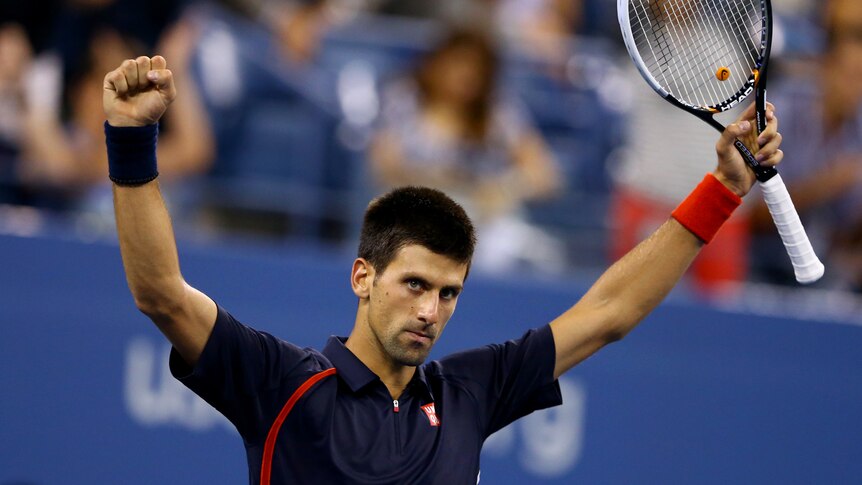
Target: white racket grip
[(806, 266)]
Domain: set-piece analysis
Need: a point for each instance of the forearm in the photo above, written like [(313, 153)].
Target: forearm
[(148, 248), (638, 282), (626, 293), (185, 315)]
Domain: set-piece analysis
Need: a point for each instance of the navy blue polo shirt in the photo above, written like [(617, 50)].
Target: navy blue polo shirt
[(344, 427)]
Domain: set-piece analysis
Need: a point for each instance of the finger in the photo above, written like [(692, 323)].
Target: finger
[(770, 131), (774, 160), (769, 110), (158, 63), (164, 81), (770, 148), (116, 81), (143, 66), (725, 147), (749, 112), (130, 71)]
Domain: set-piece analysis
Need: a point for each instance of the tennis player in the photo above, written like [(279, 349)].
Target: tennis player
[(369, 408)]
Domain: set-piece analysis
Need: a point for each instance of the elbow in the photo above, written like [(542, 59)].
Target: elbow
[(159, 305), (156, 309), (622, 322), (615, 335)]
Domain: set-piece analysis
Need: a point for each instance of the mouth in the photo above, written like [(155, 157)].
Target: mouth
[(420, 337)]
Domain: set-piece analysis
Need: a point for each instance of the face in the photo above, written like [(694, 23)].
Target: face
[(411, 302), (301, 33), (459, 74)]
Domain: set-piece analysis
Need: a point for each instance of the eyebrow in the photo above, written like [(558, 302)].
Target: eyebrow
[(455, 288)]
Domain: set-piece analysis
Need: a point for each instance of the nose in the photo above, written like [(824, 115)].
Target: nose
[(429, 309)]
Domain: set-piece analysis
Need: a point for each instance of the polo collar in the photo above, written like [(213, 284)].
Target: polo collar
[(420, 384), (354, 373), (357, 375)]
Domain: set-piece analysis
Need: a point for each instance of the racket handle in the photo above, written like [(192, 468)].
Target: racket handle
[(806, 266)]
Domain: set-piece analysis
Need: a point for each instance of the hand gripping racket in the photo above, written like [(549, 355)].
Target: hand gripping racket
[(706, 56)]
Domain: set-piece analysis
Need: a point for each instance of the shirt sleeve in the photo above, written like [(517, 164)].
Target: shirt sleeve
[(237, 366), (509, 380)]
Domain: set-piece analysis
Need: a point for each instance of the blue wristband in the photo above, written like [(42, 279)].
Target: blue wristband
[(132, 154)]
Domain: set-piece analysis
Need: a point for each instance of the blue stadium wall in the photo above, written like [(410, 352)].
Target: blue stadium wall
[(693, 396)]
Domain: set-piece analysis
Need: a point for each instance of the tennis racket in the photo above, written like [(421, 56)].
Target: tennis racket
[(705, 57)]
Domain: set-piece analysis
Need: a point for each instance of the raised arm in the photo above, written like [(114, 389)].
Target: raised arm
[(136, 94), (633, 286)]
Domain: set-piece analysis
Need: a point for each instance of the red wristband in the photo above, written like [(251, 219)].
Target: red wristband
[(706, 208)]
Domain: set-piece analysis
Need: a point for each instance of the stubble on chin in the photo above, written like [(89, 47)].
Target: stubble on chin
[(408, 354)]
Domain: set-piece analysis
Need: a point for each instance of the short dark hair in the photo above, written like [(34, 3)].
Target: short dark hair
[(415, 215)]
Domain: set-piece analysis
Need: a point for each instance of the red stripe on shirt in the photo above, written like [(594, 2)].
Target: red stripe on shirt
[(269, 446)]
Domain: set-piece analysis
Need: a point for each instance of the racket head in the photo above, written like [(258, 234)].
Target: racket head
[(680, 47)]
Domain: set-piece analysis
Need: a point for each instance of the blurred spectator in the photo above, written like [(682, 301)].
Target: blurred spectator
[(65, 154), (821, 120), (299, 28), (274, 113), (15, 59), (450, 12), (447, 127), (798, 31), (541, 28)]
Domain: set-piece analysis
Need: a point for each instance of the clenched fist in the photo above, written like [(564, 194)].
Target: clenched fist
[(138, 92)]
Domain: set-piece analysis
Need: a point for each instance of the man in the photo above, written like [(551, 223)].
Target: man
[(366, 409)]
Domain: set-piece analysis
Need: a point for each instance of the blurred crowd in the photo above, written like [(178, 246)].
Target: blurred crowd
[(292, 114)]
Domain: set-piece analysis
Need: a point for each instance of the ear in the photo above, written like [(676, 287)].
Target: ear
[(361, 278)]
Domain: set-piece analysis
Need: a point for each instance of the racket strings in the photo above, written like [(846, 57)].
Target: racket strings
[(730, 22), (684, 42), (746, 29), (663, 44), (695, 61), (720, 27), (697, 49)]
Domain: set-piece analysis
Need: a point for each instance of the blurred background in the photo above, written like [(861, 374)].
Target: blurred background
[(292, 115)]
